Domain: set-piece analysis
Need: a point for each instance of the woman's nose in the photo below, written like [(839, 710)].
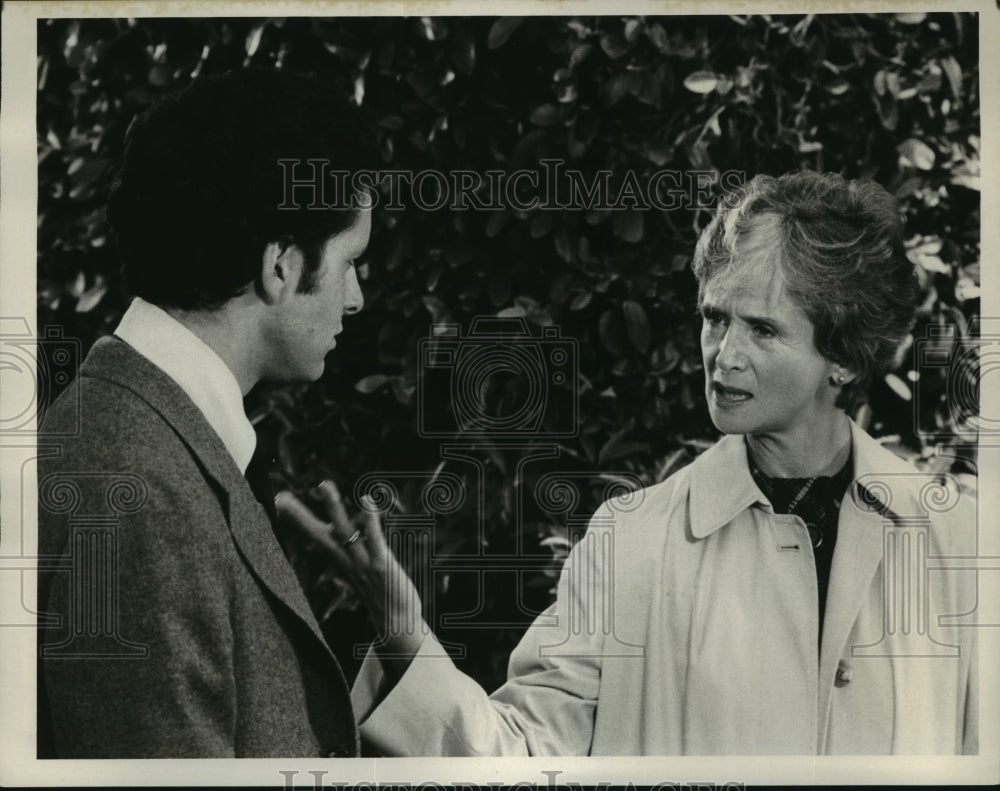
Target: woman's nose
[(731, 355)]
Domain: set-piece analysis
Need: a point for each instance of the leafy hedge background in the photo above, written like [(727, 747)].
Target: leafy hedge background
[(892, 97)]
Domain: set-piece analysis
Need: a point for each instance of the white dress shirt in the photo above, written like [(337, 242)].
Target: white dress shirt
[(198, 370)]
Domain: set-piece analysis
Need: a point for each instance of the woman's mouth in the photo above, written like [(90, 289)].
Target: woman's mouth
[(729, 396)]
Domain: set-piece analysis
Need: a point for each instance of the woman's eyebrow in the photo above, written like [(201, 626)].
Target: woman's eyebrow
[(768, 320)]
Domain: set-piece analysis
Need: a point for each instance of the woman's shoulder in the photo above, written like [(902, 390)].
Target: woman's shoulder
[(906, 494)]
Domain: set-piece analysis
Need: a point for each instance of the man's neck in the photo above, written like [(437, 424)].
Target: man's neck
[(229, 332)]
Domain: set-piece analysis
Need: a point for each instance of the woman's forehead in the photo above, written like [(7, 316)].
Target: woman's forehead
[(754, 273)]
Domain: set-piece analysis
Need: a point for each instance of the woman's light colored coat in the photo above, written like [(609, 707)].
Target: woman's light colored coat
[(686, 623)]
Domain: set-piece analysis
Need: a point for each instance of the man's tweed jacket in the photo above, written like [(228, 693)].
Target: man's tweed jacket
[(182, 629)]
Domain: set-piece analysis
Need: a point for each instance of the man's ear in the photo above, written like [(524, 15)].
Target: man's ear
[(281, 268)]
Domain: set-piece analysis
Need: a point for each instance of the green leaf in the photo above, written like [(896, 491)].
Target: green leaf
[(371, 383), (545, 115), (614, 45), (917, 153), (617, 447), (701, 82), (253, 38), (403, 391), (464, 52), (90, 298), (495, 223), (837, 87), (501, 30), (438, 310), (629, 225), (636, 324), (954, 74), (658, 36), (899, 387), (580, 52), (564, 247), (612, 333)]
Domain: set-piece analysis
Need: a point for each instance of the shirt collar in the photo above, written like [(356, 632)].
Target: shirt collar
[(722, 486), (198, 370)]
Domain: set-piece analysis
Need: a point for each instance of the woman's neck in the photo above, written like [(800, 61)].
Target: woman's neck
[(823, 450)]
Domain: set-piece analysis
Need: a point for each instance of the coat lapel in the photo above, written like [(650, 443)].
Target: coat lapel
[(858, 555), (114, 360)]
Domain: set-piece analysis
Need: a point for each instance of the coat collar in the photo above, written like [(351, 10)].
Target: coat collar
[(115, 361), (884, 486), (722, 486)]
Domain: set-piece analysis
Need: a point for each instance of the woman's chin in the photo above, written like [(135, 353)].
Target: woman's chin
[(729, 423)]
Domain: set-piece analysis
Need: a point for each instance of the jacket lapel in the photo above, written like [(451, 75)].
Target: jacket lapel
[(114, 360)]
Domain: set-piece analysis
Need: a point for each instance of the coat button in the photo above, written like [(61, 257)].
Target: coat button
[(844, 675)]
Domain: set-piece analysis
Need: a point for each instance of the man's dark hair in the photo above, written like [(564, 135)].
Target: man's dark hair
[(198, 194)]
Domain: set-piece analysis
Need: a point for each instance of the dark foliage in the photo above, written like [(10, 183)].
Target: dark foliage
[(891, 97)]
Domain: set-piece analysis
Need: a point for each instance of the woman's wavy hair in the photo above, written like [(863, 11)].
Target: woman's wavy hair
[(840, 248), (201, 188)]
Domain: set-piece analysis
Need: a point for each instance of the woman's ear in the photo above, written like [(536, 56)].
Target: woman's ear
[(841, 375), (281, 268)]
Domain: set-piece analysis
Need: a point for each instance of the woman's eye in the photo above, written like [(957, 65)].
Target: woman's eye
[(763, 331)]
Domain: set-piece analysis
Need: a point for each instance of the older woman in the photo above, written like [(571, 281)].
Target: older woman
[(759, 600)]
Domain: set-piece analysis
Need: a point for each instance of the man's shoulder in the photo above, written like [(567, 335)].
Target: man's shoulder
[(103, 419), (110, 425), (124, 457)]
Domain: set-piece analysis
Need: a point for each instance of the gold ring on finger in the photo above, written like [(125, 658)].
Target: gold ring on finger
[(353, 538)]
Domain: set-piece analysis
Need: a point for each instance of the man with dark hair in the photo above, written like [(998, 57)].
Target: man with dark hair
[(189, 635)]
